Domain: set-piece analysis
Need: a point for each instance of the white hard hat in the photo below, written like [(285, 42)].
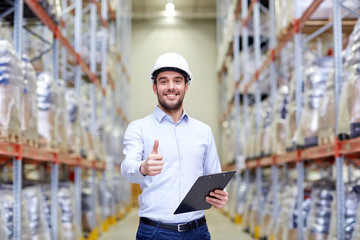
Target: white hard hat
[(171, 61)]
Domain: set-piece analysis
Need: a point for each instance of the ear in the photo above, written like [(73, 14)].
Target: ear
[(155, 88), (186, 86)]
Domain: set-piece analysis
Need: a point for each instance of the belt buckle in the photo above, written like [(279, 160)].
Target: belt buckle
[(179, 227)]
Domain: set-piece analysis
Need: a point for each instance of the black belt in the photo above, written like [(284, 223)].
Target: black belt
[(176, 227)]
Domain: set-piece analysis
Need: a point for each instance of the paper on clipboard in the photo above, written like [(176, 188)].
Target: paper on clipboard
[(195, 198)]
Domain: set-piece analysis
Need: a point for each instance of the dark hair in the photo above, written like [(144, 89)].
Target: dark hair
[(183, 73)]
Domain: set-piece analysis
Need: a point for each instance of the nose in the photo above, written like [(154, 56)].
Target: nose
[(171, 85)]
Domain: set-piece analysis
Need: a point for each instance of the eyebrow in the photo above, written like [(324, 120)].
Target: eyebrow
[(177, 77)]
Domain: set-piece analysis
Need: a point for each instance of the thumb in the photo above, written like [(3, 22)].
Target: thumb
[(155, 147)]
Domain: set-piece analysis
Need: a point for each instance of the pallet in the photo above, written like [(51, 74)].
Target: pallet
[(30, 142), (11, 137), (46, 145)]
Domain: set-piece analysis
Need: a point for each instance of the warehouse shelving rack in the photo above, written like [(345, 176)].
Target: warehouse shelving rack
[(228, 47), (116, 107)]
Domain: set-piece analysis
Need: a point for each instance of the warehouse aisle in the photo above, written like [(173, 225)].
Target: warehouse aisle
[(220, 226)]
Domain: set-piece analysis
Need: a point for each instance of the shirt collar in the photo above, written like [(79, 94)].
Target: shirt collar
[(160, 115)]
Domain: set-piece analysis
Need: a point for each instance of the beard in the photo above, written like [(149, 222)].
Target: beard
[(173, 106)]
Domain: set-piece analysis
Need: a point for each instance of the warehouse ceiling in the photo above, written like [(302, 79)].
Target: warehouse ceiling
[(188, 9)]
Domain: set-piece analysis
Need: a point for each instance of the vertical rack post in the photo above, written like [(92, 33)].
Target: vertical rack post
[(55, 164), (340, 192), (54, 200), (17, 184), (236, 51), (77, 47), (299, 97), (17, 161), (273, 78), (93, 26), (256, 20), (245, 49)]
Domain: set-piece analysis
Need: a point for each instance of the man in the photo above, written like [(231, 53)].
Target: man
[(165, 153)]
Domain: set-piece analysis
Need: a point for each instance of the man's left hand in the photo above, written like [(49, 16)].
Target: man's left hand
[(218, 198)]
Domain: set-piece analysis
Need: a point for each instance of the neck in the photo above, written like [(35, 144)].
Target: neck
[(174, 113)]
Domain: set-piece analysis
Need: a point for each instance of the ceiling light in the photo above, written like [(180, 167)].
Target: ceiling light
[(170, 9)]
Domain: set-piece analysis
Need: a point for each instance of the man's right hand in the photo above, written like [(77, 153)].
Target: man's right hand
[(153, 165)]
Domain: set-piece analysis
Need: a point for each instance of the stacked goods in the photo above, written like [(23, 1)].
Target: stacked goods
[(278, 130), (321, 212), (265, 139), (36, 214), (118, 191), (290, 122), (350, 95), (73, 130), (249, 207), (46, 194), (106, 199), (7, 213), (88, 147), (89, 220), (29, 105), (241, 198), (11, 88), (267, 222), (61, 116), (315, 82), (326, 113), (251, 146), (287, 224), (69, 229), (352, 214), (47, 111)]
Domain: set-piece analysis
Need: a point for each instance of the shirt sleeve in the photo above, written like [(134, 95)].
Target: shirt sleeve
[(212, 162), (133, 151)]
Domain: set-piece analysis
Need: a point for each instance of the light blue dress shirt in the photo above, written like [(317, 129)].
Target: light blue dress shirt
[(188, 150)]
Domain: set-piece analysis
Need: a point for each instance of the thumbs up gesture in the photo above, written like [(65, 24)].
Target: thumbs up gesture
[(153, 165)]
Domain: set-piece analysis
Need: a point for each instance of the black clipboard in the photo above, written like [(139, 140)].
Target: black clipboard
[(195, 198)]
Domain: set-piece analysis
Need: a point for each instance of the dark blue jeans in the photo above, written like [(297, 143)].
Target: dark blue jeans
[(147, 232)]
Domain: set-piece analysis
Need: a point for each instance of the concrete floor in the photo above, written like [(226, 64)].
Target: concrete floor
[(220, 227)]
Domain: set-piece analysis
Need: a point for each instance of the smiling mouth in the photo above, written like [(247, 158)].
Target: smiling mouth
[(171, 95)]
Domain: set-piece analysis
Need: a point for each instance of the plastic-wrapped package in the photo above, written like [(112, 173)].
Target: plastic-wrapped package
[(11, 89), (46, 194), (249, 206), (106, 198), (321, 212), (286, 226), (7, 213), (348, 98), (265, 137), (29, 105), (73, 130), (352, 218), (47, 105), (39, 229), (118, 191), (290, 121), (315, 82), (89, 221), (251, 145), (88, 146), (278, 130), (326, 119), (241, 198), (70, 230), (61, 116)]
